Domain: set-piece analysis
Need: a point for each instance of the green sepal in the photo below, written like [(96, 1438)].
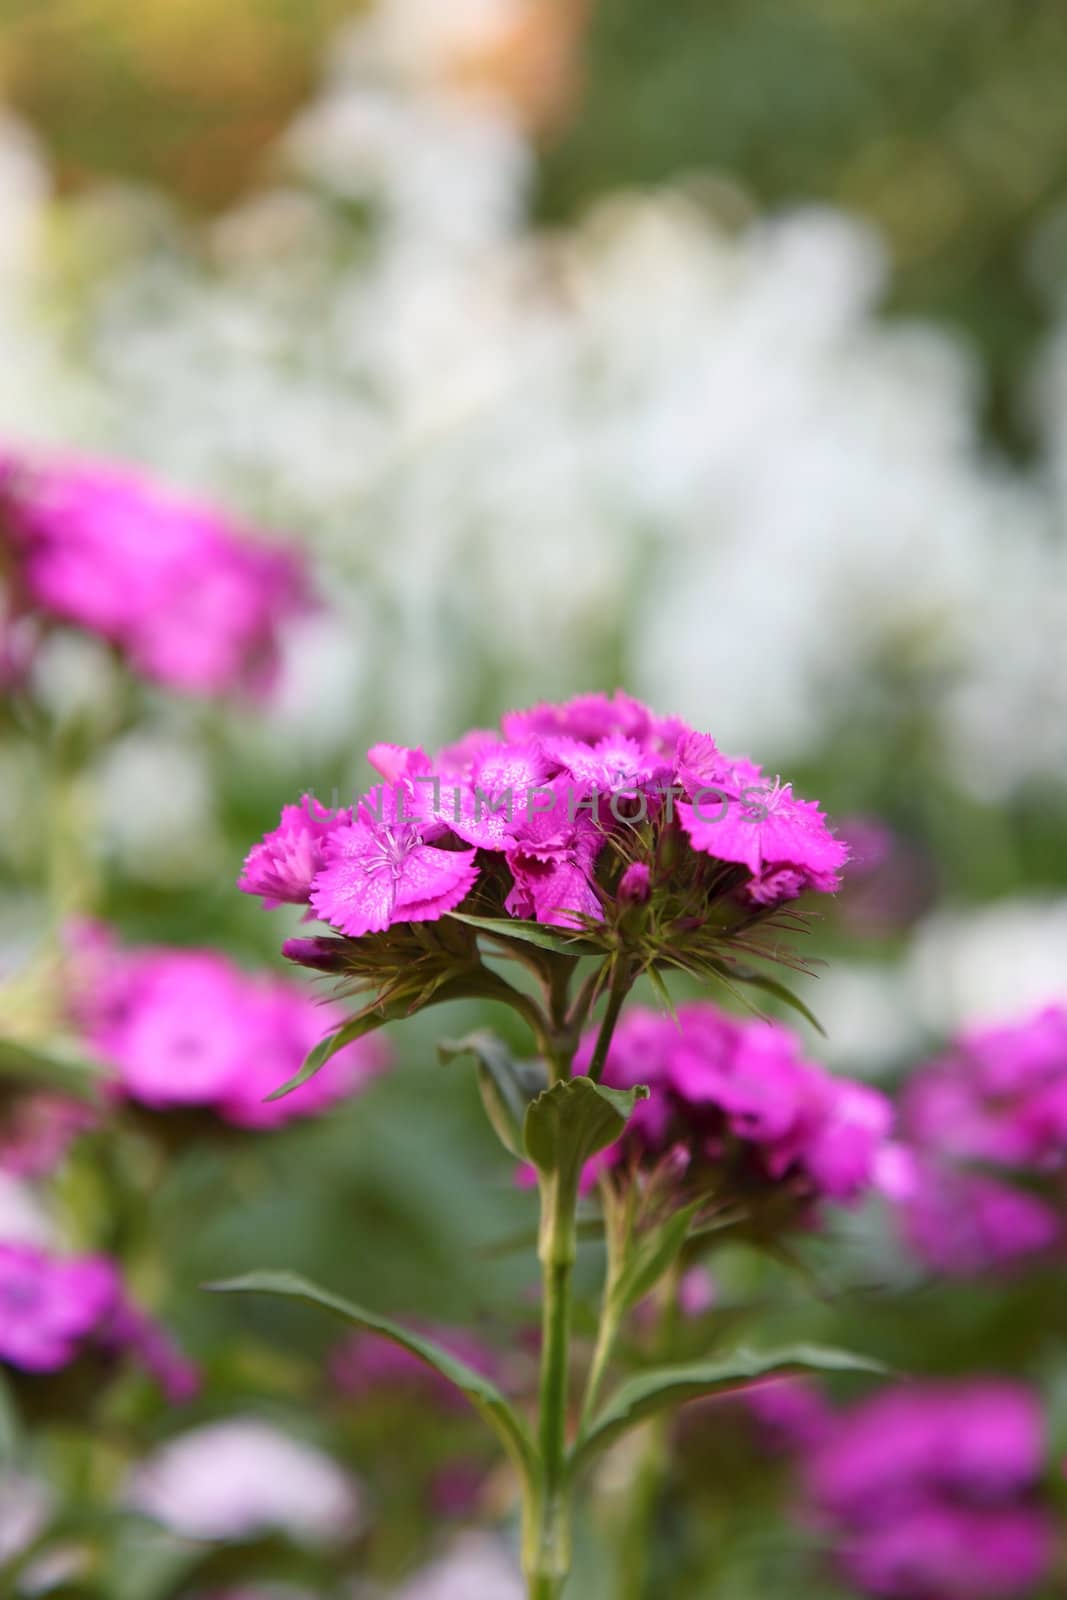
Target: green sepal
[(486, 1398)]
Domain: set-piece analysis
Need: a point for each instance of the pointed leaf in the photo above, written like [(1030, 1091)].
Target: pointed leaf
[(507, 1086), (667, 1387), (364, 1022), (483, 1395)]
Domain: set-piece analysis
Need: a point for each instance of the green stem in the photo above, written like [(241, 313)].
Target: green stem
[(620, 988), (639, 1526), (547, 1538)]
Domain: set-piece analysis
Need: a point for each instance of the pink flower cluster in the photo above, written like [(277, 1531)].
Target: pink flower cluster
[(543, 798), (740, 1092), (189, 1028), (996, 1098), (931, 1490), (191, 599), (53, 1307)]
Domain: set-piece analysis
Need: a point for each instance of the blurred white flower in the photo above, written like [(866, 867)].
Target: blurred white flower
[(25, 1506), (647, 446), (988, 964), (23, 1220), (235, 1479), (155, 804), (476, 1568)]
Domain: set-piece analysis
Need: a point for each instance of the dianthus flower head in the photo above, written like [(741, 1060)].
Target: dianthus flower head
[(581, 802), (739, 1095), (191, 599), (619, 833)]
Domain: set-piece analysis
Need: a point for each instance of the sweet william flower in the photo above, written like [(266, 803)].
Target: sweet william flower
[(784, 842), (283, 866), (379, 870), (740, 1095), (552, 855)]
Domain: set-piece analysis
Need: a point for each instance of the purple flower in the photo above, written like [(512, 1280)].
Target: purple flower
[(50, 1306), (931, 1489), (727, 1091), (379, 870), (997, 1095), (784, 842), (965, 1223), (551, 856), (283, 866), (191, 599), (189, 1028), (560, 793)]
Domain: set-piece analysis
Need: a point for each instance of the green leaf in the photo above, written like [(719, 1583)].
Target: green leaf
[(655, 1251), (483, 1395), (666, 1387), (537, 933), (507, 1086), (571, 1121), (49, 1069), (781, 991), (364, 1022)]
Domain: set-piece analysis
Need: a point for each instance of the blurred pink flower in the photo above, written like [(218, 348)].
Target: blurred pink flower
[(190, 598), (50, 1305), (37, 1129), (931, 1489), (189, 1028)]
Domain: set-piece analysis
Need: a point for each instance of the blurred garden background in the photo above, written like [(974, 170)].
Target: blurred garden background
[(716, 350)]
